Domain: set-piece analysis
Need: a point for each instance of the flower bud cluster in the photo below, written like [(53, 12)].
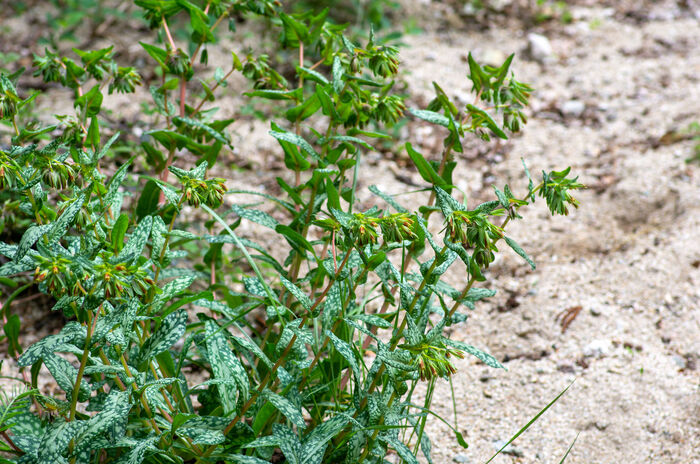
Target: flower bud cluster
[(434, 361), (119, 280), (55, 273), (8, 176), (383, 60), (394, 228), (472, 229), (59, 175), (207, 191), (179, 64)]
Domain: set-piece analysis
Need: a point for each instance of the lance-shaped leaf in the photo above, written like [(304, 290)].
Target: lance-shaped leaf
[(431, 116), (297, 140), (226, 366), (483, 356), (256, 216), (116, 409), (346, 351), (165, 336), (286, 407), (388, 198), (297, 293), (55, 442), (516, 248), (425, 170), (315, 444), (29, 238), (138, 239)]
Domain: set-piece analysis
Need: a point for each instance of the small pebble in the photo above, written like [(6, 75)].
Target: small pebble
[(510, 449), (572, 108), (461, 458), (680, 361), (539, 47), (597, 348)]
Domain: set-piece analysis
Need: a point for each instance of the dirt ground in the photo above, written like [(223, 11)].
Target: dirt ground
[(621, 76)]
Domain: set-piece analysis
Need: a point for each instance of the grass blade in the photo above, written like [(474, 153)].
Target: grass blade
[(532, 421), (569, 450)]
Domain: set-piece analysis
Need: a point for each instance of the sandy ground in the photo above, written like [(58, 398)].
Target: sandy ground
[(629, 257)]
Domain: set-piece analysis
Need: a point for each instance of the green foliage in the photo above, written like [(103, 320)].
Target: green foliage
[(282, 341)]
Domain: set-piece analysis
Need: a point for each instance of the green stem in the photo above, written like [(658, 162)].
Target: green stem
[(167, 237), (92, 322)]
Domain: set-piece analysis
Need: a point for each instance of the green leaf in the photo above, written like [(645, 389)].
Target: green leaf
[(297, 293), (483, 118), (337, 71), (388, 198), (346, 351), (256, 216), (243, 459), (512, 243), (173, 288), (479, 79), (170, 331), (295, 94), (56, 440), (11, 329), (60, 225), (226, 366), (447, 203), (474, 295), (216, 135), (502, 199), (295, 239), (347, 138), (90, 102), (148, 200), (138, 239), (29, 238), (202, 436), (373, 320), (65, 375), (312, 75), (118, 232), (431, 116), (483, 356), (401, 449), (116, 181), (333, 196), (315, 444), (297, 140), (158, 54), (93, 135), (424, 168), (304, 110), (286, 407), (116, 408), (138, 449)]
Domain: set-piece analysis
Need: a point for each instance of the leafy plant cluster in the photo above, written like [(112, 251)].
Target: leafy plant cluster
[(184, 346)]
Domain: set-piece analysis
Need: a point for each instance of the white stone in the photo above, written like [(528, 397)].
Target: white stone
[(539, 47), (572, 108), (597, 348)]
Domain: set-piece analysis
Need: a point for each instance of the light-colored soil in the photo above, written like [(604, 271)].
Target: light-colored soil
[(629, 257)]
